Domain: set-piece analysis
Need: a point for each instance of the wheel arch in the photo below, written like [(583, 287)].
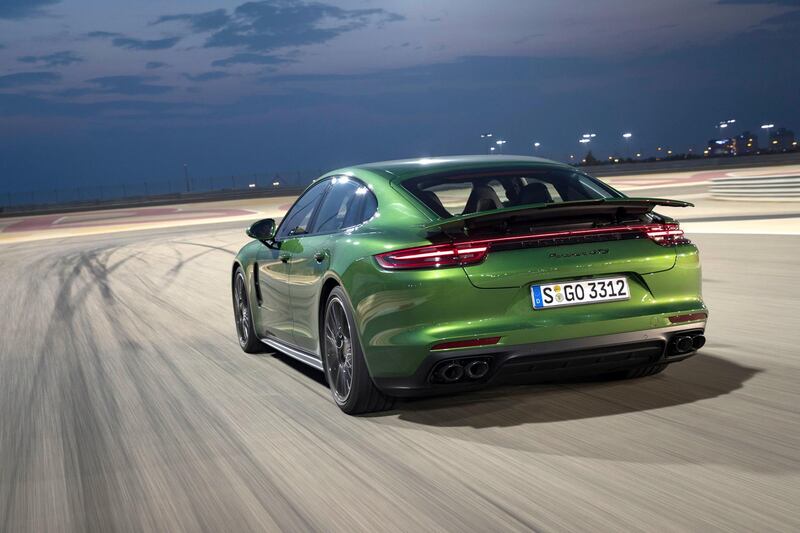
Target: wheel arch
[(247, 267), (234, 267), (331, 281), (329, 284)]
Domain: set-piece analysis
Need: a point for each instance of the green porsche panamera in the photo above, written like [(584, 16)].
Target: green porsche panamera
[(420, 277)]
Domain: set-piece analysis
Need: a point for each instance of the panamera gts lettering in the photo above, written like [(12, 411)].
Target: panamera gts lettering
[(597, 251)]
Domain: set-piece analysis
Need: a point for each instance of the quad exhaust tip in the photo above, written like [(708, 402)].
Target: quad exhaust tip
[(455, 371), (451, 372), (687, 343), (698, 341), (683, 344), (477, 369)]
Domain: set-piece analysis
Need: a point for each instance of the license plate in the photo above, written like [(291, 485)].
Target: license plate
[(587, 291)]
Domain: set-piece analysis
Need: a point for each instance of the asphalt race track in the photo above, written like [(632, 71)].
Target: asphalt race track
[(126, 404)]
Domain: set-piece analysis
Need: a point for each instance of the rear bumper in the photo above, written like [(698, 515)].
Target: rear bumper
[(544, 361)]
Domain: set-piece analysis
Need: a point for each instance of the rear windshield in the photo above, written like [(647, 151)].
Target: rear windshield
[(462, 194)]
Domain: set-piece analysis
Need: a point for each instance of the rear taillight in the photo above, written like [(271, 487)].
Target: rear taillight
[(438, 256), (666, 234), (473, 252)]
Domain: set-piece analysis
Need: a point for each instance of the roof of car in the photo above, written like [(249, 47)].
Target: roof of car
[(402, 169)]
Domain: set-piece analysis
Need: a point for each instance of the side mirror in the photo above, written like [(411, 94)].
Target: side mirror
[(263, 230)]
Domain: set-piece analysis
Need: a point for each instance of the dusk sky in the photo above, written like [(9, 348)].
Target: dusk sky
[(101, 92)]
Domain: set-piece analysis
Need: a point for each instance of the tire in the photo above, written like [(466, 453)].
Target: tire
[(346, 370), (248, 339)]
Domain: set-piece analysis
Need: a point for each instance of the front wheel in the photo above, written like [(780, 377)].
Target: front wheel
[(248, 340), (345, 369)]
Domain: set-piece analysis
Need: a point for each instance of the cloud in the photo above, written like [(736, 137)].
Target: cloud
[(207, 76), (56, 59), (19, 9), (267, 25), (141, 44), (151, 65), (121, 41), (102, 34), (129, 85), (125, 85), (250, 59), (24, 79), (199, 22)]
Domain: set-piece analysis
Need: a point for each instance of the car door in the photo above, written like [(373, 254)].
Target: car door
[(275, 264), (341, 208)]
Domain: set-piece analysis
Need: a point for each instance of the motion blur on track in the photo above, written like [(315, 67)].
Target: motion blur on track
[(126, 403)]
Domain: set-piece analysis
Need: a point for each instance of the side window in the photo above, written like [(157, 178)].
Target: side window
[(343, 206), (298, 217), (370, 207)]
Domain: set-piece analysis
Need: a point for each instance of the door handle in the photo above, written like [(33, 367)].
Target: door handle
[(284, 258), (319, 257)]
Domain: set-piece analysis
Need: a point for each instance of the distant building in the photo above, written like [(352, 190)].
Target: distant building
[(781, 140), (721, 147), (745, 144)]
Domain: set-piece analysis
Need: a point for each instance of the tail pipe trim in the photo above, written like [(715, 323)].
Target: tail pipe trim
[(461, 370), (685, 343)]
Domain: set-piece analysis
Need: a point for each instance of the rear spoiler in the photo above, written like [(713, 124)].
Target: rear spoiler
[(462, 224)]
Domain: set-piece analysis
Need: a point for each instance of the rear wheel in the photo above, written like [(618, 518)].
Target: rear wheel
[(345, 369), (248, 340)]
